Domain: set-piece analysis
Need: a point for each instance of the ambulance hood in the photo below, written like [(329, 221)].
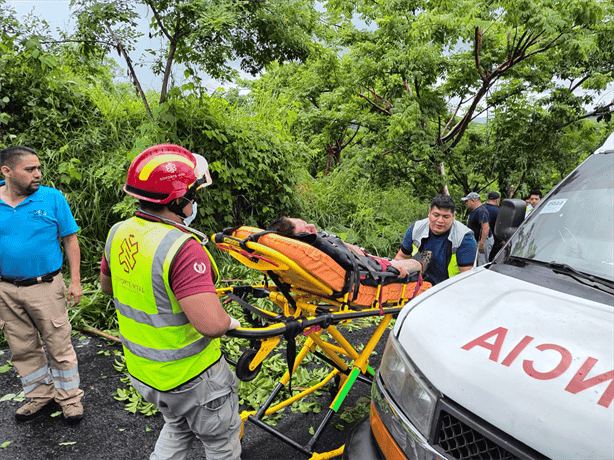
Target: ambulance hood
[(534, 362)]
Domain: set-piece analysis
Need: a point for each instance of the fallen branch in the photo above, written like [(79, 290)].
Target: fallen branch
[(91, 330)]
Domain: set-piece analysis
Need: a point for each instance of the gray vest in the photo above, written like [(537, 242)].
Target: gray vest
[(420, 230)]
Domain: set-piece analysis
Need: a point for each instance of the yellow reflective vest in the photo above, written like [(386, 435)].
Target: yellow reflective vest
[(161, 347)]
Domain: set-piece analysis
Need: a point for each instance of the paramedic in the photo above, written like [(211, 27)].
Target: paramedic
[(290, 226), (170, 318), (33, 295), (452, 243)]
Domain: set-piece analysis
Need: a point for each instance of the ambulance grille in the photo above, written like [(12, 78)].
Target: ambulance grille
[(463, 436)]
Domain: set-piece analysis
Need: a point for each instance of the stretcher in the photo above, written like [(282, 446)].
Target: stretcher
[(314, 286)]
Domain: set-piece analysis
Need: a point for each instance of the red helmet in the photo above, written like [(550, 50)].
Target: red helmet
[(164, 172)]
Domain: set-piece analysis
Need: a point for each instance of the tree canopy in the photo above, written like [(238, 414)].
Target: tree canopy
[(202, 35), (409, 87)]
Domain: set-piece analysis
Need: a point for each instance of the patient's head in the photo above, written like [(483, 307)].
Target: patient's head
[(289, 226)]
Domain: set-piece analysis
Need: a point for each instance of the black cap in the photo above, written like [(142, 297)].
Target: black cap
[(493, 196)]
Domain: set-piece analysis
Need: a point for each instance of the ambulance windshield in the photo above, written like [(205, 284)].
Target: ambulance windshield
[(575, 224)]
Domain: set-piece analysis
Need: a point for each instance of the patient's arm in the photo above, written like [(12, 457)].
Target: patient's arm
[(404, 266), (407, 265)]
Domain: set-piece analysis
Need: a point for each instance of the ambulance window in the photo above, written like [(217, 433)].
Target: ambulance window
[(575, 226)]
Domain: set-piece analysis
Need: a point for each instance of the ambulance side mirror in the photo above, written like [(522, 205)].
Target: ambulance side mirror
[(511, 214)]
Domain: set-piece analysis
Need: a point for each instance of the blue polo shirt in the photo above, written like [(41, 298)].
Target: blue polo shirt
[(30, 234), (437, 271)]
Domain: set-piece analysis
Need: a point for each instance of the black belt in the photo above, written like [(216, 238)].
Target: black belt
[(48, 278)]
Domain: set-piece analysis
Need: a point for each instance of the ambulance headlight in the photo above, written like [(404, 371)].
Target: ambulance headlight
[(407, 387)]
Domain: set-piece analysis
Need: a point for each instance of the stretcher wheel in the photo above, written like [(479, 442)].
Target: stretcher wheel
[(243, 371)]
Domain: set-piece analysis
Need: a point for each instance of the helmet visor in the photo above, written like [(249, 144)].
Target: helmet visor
[(203, 178)]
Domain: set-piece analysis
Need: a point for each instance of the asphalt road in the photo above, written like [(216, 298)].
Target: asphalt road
[(110, 432)]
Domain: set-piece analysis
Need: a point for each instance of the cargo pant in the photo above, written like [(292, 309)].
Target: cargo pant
[(484, 257), (206, 407), (28, 313)]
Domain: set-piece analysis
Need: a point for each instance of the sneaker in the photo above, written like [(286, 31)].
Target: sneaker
[(427, 256), (73, 412), (33, 409)]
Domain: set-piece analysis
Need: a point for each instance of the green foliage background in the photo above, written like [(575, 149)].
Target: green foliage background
[(343, 129)]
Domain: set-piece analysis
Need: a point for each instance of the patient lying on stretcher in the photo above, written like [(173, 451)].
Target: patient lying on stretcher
[(293, 227)]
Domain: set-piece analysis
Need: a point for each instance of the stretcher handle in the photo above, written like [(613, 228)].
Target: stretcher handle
[(225, 237), (334, 318)]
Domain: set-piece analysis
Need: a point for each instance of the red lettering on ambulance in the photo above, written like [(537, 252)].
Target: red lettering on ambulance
[(561, 367), (509, 359), (495, 348), (578, 383)]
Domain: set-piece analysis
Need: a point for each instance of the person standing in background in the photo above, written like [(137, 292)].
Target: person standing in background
[(492, 204), (33, 295), (535, 196), (479, 223)]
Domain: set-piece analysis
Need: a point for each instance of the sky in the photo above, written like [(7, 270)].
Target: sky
[(57, 14)]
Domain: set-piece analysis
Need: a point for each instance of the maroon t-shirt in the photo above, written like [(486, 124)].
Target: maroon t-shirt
[(190, 272)]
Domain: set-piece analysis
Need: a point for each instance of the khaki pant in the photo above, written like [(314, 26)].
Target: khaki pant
[(28, 313), (206, 407)]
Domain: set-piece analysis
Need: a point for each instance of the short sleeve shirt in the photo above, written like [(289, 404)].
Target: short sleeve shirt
[(493, 212), (30, 234), (478, 217), (437, 270)]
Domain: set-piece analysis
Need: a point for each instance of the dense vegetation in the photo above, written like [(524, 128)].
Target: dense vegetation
[(352, 127)]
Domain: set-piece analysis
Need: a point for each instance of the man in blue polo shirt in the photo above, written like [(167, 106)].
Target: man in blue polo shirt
[(452, 243), (33, 295)]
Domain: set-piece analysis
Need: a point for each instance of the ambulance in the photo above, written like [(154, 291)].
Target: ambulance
[(514, 359)]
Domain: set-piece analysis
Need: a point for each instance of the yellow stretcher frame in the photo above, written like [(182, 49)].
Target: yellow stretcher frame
[(312, 314)]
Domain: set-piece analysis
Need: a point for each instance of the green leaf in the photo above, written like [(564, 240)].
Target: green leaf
[(7, 367), (5, 444)]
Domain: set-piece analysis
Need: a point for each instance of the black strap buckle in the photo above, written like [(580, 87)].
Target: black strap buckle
[(46, 278)]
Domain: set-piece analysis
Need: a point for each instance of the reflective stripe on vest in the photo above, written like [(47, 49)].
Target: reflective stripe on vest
[(161, 347), (456, 235)]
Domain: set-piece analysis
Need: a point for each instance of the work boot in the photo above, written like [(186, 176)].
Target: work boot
[(33, 409), (72, 412)]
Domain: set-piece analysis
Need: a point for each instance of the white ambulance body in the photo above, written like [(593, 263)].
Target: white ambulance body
[(513, 360)]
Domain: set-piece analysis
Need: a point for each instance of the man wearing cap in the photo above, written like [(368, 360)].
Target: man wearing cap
[(492, 204), (479, 223), (452, 243), (170, 318)]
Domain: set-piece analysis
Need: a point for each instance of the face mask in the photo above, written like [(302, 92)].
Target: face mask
[(188, 220)]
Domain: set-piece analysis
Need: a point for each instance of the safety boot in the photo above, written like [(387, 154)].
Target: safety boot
[(33, 409), (73, 412)]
